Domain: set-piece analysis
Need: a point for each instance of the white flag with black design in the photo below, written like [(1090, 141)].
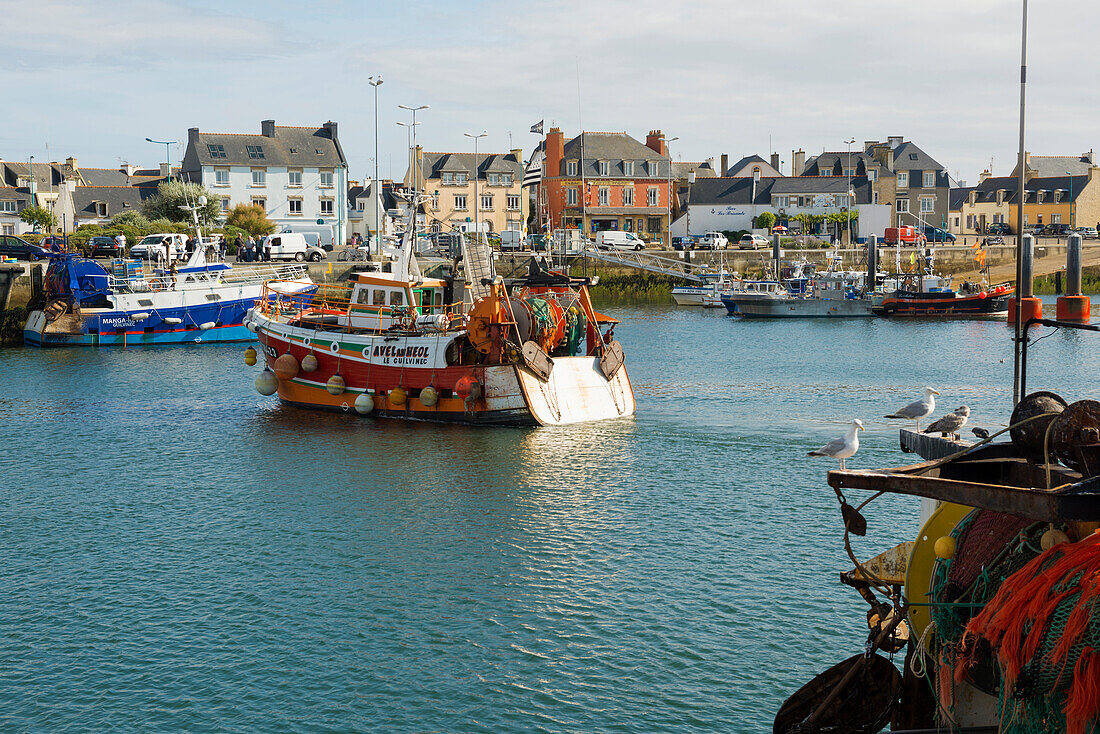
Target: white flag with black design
[(537, 127)]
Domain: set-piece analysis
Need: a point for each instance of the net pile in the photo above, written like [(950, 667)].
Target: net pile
[(1043, 624)]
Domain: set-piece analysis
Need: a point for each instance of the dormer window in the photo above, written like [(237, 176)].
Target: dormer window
[(101, 208), (628, 168), (605, 168), (570, 168), (1039, 200)]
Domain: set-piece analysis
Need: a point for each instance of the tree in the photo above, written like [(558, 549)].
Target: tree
[(251, 218), (130, 218), (171, 195), (765, 220), (38, 218)]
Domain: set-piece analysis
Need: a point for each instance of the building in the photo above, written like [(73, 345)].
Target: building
[(449, 179), (1072, 200), (368, 205), (731, 204), (608, 181), (955, 217), (297, 174), (751, 166), (1052, 166)]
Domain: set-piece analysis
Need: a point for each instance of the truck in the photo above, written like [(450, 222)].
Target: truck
[(903, 235)]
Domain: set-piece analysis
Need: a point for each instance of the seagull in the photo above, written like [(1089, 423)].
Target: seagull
[(981, 433), (844, 447), (950, 423), (919, 409)]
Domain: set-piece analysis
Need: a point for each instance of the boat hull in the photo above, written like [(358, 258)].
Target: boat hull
[(377, 365), (799, 308), (933, 304)]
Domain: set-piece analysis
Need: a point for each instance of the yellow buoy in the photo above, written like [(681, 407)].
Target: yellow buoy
[(429, 396), (398, 396), (1052, 538), (267, 383), (335, 385), (250, 356), (945, 547), (309, 363), (286, 367)]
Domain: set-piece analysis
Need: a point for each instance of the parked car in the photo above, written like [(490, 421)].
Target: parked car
[(104, 247), (153, 246), (998, 228), (285, 246), (995, 240), (619, 241), (1056, 230), (54, 243), (935, 234), (752, 242), (683, 243), (12, 246), (1088, 233), (316, 254), (713, 241)]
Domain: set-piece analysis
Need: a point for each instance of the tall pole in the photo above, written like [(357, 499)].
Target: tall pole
[(477, 168), (668, 227), (850, 195), (375, 188), (167, 152), (1070, 200), (1020, 333), (415, 167)]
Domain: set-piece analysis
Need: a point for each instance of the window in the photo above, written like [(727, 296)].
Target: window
[(7, 207), (435, 201), (605, 196), (781, 202), (507, 179), (628, 196), (397, 298), (362, 296), (294, 207), (654, 224), (327, 206), (7, 229), (379, 297), (929, 179), (901, 206), (903, 179), (653, 196), (570, 168), (927, 204), (487, 201), (570, 197), (493, 179), (294, 177), (462, 178), (849, 171), (225, 204), (448, 178), (912, 156), (1025, 220), (628, 168), (513, 203), (255, 151), (259, 177), (969, 221), (460, 201), (361, 204), (221, 176), (874, 198), (1055, 218), (101, 208), (605, 168), (260, 202), (1039, 219), (216, 151), (326, 179), (654, 168), (872, 176)]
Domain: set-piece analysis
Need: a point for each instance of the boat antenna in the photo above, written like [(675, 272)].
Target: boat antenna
[(1020, 332)]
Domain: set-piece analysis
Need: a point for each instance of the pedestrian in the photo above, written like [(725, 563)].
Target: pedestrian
[(120, 243), (239, 246)]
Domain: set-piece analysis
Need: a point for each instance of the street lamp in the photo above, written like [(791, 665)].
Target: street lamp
[(376, 82), (415, 162), (851, 194), (668, 227), (1070, 199), (477, 214), (167, 155)]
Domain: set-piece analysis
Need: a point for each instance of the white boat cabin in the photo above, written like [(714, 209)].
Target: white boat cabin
[(381, 300)]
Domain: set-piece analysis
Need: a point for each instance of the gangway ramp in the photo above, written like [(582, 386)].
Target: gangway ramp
[(642, 260)]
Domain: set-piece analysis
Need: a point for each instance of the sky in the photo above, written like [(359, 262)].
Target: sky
[(94, 79)]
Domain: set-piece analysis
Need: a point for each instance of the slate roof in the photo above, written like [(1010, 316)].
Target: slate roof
[(118, 199), (987, 190), (958, 196), (703, 169), (725, 191), (22, 196), (1049, 166), (434, 164), (307, 147), (46, 175), (115, 177), (837, 162), (909, 157), (616, 148)]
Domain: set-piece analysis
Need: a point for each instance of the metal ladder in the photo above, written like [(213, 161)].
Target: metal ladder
[(477, 262)]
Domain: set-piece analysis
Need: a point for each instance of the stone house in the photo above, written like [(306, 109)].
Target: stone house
[(449, 180)]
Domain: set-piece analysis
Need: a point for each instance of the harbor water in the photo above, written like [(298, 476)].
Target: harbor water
[(183, 554)]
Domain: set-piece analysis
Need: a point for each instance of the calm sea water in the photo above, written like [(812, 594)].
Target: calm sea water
[(178, 553)]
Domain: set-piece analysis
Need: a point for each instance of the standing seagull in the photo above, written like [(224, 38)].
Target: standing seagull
[(919, 409), (950, 423), (844, 447)]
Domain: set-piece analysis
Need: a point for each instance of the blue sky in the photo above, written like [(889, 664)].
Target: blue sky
[(93, 79)]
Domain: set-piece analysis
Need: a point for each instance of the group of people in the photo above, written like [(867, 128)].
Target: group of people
[(251, 250)]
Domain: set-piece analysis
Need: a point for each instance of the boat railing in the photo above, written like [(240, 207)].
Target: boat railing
[(265, 273), (161, 280)]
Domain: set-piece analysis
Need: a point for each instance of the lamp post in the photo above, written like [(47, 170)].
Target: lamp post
[(167, 154), (477, 202), (1070, 200), (376, 82), (668, 228), (413, 167), (851, 194)]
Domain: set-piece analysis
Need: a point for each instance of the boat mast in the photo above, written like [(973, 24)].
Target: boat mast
[(1020, 332)]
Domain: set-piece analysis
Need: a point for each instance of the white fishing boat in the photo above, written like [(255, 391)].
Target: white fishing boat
[(708, 293)]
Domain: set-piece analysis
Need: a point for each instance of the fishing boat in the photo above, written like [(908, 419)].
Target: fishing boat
[(200, 302), (709, 293), (834, 293), (393, 344), (943, 300)]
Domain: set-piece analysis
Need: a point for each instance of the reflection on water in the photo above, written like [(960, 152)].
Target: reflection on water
[(184, 554)]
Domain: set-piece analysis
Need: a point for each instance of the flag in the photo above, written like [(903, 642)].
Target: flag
[(537, 127)]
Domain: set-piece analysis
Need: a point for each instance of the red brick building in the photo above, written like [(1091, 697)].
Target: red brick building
[(607, 181)]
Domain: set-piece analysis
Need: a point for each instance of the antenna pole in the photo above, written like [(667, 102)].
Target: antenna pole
[(1020, 331)]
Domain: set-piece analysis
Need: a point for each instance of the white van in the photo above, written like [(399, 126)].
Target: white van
[(285, 246), (512, 240), (609, 240), (318, 235)]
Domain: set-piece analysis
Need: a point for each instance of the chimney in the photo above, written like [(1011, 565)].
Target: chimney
[(267, 128), (193, 138), (798, 162), (71, 162), (555, 150), (775, 161), (984, 175), (330, 126), (656, 141), (895, 140), (165, 169), (725, 165), (1089, 157), (884, 154), (127, 168), (868, 144), (517, 153)]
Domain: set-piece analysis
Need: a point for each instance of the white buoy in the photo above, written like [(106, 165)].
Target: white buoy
[(206, 325), (267, 383), (364, 404), (172, 321), (429, 396), (250, 326), (309, 363), (139, 316)]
